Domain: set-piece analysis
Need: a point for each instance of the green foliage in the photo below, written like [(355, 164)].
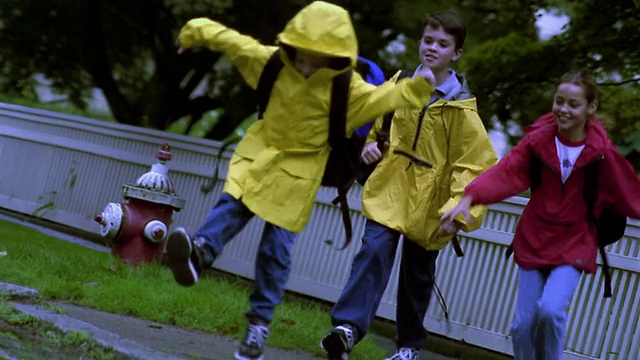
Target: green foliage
[(127, 50)]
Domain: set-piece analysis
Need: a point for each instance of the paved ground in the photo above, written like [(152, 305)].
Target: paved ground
[(143, 339)]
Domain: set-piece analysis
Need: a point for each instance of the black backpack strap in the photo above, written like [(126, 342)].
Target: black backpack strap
[(208, 187), (267, 79), (338, 109), (535, 176), (383, 136), (456, 246), (338, 142), (590, 193)]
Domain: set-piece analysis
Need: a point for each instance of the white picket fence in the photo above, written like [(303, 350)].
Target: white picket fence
[(67, 168)]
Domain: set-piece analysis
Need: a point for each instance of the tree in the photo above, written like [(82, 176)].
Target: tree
[(518, 71), (126, 48)]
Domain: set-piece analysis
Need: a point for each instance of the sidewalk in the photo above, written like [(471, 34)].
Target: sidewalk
[(144, 339)]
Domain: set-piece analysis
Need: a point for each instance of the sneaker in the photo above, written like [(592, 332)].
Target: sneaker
[(339, 341), (183, 256), (405, 353), (252, 346)]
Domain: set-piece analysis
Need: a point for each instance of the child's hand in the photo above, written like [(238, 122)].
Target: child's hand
[(371, 153), (449, 228), (179, 46), (463, 207), (426, 73)]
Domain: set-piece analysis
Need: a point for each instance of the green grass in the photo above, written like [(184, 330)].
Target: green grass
[(19, 332), (65, 271)]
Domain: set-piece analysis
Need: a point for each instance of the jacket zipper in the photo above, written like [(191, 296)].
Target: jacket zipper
[(420, 120)]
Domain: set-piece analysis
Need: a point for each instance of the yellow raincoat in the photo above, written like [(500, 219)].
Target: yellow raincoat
[(277, 167), (404, 193)]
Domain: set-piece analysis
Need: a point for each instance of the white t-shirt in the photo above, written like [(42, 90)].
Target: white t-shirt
[(567, 155)]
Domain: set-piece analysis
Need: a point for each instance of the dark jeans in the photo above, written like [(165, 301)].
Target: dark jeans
[(273, 261), (368, 279)]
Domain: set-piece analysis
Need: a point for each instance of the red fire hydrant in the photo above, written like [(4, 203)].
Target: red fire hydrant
[(137, 228)]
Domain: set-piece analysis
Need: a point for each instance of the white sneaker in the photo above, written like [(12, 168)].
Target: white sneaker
[(252, 347), (405, 354), (338, 342)]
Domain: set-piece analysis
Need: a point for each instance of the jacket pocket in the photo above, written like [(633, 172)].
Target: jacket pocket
[(301, 167)]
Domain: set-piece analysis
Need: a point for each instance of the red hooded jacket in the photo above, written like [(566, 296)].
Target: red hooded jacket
[(553, 229)]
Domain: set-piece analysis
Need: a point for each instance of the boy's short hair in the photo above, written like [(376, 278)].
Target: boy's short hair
[(451, 22)]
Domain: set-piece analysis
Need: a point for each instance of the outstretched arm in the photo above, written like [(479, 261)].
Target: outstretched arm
[(244, 52), (368, 102)]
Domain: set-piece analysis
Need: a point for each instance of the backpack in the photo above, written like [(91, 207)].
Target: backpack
[(344, 158), (372, 74), (610, 225)]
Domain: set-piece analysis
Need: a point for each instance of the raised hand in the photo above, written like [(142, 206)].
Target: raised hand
[(426, 73), (370, 153)]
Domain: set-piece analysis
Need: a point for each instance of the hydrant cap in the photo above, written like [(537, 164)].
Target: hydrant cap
[(164, 153)]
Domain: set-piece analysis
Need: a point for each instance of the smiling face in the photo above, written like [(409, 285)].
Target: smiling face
[(571, 110), (437, 50)]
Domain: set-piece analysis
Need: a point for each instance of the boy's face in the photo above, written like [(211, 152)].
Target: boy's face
[(438, 49), (307, 63)]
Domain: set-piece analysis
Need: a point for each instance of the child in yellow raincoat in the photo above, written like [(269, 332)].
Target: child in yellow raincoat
[(434, 152), (276, 169)]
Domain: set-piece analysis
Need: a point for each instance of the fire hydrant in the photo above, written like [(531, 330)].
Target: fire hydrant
[(137, 228)]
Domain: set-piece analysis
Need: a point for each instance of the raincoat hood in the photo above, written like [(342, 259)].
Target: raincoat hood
[(322, 28)]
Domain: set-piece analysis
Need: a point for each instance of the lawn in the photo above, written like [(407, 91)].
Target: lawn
[(61, 270), (65, 271)]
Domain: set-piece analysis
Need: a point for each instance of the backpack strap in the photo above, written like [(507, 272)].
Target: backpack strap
[(267, 79), (383, 136), (590, 193), (338, 142), (338, 110), (208, 187)]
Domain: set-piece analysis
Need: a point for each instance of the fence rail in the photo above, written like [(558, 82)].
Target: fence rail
[(67, 168)]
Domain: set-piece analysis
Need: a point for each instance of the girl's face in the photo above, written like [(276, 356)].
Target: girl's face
[(571, 111), (307, 63)]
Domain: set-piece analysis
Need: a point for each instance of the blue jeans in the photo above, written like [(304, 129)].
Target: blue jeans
[(273, 261), (541, 312), (368, 279)]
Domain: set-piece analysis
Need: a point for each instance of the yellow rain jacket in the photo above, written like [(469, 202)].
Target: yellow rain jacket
[(404, 193), (277, 167)]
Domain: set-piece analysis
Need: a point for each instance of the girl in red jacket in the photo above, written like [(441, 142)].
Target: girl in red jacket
[(555, 241)]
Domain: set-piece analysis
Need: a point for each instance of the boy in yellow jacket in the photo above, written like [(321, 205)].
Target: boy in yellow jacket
[(434, 152), (276, 169)]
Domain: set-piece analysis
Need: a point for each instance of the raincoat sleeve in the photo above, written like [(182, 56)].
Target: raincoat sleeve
[(619, 185), (244, 52), (368, 102), (470, 154), (377, 125), (507, 178)]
